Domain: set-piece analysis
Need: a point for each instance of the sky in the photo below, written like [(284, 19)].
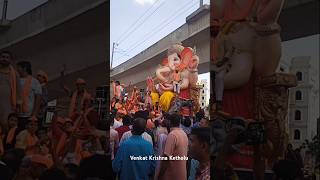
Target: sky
[(18, 7), (306, 46)]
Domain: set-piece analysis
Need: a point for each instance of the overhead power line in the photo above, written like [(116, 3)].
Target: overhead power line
[(162, 25), (134, 26)]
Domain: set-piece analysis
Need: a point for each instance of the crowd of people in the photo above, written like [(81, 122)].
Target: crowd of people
[(148, 143), (72, 146)]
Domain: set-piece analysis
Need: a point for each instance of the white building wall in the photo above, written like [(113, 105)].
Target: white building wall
[(203, 93), (307, 105)]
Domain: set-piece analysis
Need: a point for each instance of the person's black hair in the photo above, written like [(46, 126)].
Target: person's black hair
[(126, 120), (96, 166), (139, 126), (7, 52), (25, 65), (12, 115), (203, 134), (53, 174), (118, 82), (141, 114), (174, 119), (187, 121)]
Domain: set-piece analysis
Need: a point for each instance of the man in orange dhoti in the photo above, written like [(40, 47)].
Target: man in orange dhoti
[(10, 89), (78, 99)]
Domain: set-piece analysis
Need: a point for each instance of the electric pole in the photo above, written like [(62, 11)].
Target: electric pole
[(4, 10), (201, 3), (113, 47)]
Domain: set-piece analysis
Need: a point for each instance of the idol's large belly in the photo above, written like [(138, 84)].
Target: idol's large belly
[(242, 61)]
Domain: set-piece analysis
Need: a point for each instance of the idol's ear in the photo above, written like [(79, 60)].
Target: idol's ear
[(186, 57)]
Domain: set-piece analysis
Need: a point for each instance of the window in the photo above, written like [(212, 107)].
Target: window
[(202, 104), (281, 69), (202, 98), (299, 76), (297, 115), (203, 85), (202, 91), (296, 134), (298, 95)]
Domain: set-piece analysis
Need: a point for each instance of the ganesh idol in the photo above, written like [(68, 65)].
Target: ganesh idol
[(248, 42), (247, 48), (176, 77)]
